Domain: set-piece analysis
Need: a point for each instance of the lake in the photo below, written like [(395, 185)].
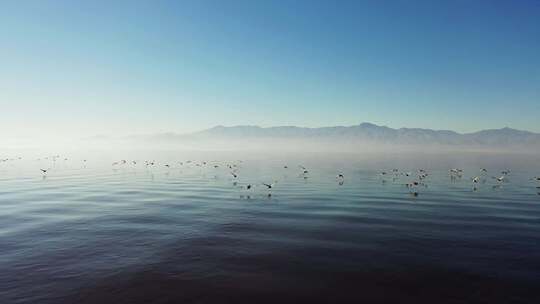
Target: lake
[(94, 232)]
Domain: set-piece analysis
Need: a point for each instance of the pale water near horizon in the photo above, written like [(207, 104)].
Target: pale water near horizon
[(98, 233)]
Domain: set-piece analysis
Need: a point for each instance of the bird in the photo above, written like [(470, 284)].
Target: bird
[(270, 186), (234, 174), (44, 171), (476, 179), (456, 172), (412, 184), (422, 175), (499, 179), (341, 179)]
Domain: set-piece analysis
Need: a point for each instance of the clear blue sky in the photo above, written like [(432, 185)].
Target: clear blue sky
[(126, 67)]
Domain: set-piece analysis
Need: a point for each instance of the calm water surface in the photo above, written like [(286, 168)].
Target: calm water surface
[(188, 234)]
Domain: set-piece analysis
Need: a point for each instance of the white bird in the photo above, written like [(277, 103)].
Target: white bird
[(422, 176), (341, 179), (499, 179)]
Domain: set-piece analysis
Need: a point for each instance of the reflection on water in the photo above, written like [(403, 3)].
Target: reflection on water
[(91, 232)]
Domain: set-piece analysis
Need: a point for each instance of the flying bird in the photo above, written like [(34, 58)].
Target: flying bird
[(499, 179), (270, 186)]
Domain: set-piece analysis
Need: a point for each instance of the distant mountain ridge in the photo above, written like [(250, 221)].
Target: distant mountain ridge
[(364, 136), (381, 134)]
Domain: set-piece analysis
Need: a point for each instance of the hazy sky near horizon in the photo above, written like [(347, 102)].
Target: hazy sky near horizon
[(126, 67)]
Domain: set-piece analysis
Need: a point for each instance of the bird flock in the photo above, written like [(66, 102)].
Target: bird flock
[(414, 181)]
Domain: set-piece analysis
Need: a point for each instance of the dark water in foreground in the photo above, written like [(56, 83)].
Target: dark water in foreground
[(187, 234)]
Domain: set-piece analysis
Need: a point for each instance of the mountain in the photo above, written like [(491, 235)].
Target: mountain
[(375, 133), (364, 133)]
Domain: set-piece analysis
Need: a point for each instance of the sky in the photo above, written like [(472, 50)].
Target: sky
[(83, 68)]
